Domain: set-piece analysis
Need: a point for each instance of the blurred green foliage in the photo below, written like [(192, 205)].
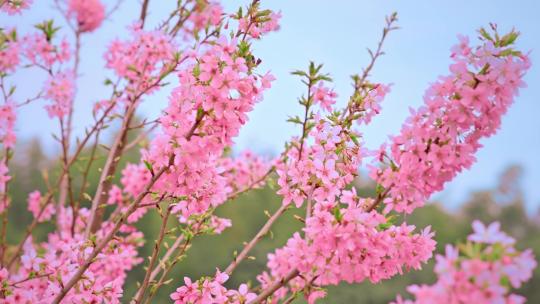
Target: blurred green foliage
[(503, 203)]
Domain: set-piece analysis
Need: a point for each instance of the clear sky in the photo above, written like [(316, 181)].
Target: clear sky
[(336, 33)]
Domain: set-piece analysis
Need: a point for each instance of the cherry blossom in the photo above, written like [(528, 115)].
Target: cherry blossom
[(489, 234)]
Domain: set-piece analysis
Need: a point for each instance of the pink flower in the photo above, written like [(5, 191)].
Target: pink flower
[(489, 234), (30, 261), (61, 91), (4, 176), (88, 13), (13, 7), (9, 51), (35, 205), (7, 123)]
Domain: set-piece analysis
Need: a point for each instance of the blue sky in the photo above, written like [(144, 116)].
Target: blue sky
[(336, 33)]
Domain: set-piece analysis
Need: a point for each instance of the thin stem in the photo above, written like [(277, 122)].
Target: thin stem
[(264, 230), (4, 201), (84, 183), (105, 180), (166, 257), (114, 9), (304, 123), (275, 286), (144, 11), (140, 293), (168, 270), (379, 199)]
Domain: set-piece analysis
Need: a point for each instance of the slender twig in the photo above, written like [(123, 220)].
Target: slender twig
[(140, 137), (275, 286), (4, 202), (166, 257), (306, 118), (262, 232), (166, 271), (84, 183), (360, 82), (114, 9), (144, 11), (178, 257), (380, 198), (252, 185), (139, 296), (105, 180)]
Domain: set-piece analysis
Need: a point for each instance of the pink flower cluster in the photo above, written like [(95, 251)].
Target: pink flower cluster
[(320, 172), (324, 97), (88, 13), (60, 89), (134, 179), (439, 139), (211, 290), (41, 213), (142, 59), (7, 123), (9, 51), (213, 98), (41, 52), (205, 14), (256, 26), (347, 244), (245, 171), (13, 7), (481, 271), (372, 103), (46, 267)]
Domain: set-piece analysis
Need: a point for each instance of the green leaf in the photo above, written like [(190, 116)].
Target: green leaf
[(337, 213), (149, 167), (354, 139), (485, 34), (508, 39)]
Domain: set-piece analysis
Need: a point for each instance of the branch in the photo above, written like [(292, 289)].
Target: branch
[(144, 11), (264, 230), (275, 286), (140, 293)]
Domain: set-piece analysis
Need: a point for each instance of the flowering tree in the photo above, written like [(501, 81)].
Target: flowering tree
[(185, 172)]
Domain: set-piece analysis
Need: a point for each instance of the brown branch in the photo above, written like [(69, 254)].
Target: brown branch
[(144, 11), (105, 180), (139, 296), (166, 256), (264, 230), (275, 286)]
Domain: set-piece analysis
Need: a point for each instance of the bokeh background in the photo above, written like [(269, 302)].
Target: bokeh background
[(503, 185)]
